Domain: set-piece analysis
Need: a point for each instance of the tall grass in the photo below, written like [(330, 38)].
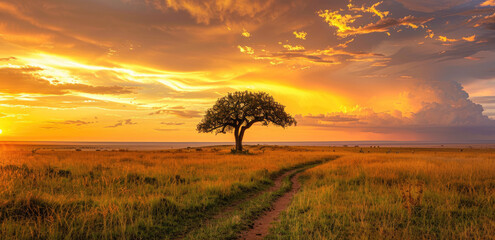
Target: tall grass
[(129, 195), (395, 194)]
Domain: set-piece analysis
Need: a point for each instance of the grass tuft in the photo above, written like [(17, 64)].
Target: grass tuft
[(29, 207)]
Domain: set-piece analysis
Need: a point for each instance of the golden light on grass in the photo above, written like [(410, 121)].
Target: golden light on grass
[(402, 193), (122, 194)]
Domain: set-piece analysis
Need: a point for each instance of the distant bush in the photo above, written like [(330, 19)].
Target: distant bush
[(245, 152)]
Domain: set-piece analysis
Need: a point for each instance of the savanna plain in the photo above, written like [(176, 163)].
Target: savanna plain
[(209, 193)]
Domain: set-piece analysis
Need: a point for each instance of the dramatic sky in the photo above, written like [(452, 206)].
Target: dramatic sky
[(146, 70)]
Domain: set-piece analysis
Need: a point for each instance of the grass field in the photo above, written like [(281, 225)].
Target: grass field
[(399, 193), (129, 195), (395, 194)]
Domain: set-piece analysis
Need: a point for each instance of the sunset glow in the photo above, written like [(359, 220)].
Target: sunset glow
[(132, 70)]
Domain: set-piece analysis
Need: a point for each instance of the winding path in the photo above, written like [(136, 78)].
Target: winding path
[(262, 225), (277, 184)]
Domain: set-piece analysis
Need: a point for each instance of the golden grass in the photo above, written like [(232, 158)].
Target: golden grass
[(396, 193), (122, 195)]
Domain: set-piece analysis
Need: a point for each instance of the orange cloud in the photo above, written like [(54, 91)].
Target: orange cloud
[(293, 48), (430, 33), (206, 10), (95, 62), (341, 22), (472, 58), (27, 79), (487, 22), (299, 56), (488, 3), (447, 110), (301, 35), (469, 39), (450, 40), (245, 33), (246, 49), (445, 39), (371, 9), (344, 45)]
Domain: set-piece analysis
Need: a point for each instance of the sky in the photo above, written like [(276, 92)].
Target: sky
[(147, 70)]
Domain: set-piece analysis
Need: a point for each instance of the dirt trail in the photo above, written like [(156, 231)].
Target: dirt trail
[(277, 183), (263, 223)]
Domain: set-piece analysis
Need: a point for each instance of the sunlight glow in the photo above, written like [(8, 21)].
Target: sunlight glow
[(378, 70)]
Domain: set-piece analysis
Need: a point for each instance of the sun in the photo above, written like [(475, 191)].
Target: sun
[(1, 131)]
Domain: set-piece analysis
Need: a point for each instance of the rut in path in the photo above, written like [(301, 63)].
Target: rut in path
[(261, 226)]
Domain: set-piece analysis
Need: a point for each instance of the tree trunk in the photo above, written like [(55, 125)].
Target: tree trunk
[(238, 144), (238, 140)]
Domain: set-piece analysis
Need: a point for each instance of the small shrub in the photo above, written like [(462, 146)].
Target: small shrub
[(64, 173), (133, 178), (150, 180), (243, 152), (177, 179), (22, 170), (97, 171), (164, 207), (30, 207), (53, 172)]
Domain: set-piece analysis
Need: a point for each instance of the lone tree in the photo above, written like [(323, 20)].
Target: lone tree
[(238, 111)]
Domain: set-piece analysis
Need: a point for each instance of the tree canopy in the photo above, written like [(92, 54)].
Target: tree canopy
[(238, 111)]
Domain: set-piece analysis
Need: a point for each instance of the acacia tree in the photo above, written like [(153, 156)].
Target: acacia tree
[(238, 111)]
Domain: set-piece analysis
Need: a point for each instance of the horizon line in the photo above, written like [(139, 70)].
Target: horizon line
[(349, 141)]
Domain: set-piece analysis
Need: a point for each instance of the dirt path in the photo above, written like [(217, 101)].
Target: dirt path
[(277, 183), (263, 223)]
